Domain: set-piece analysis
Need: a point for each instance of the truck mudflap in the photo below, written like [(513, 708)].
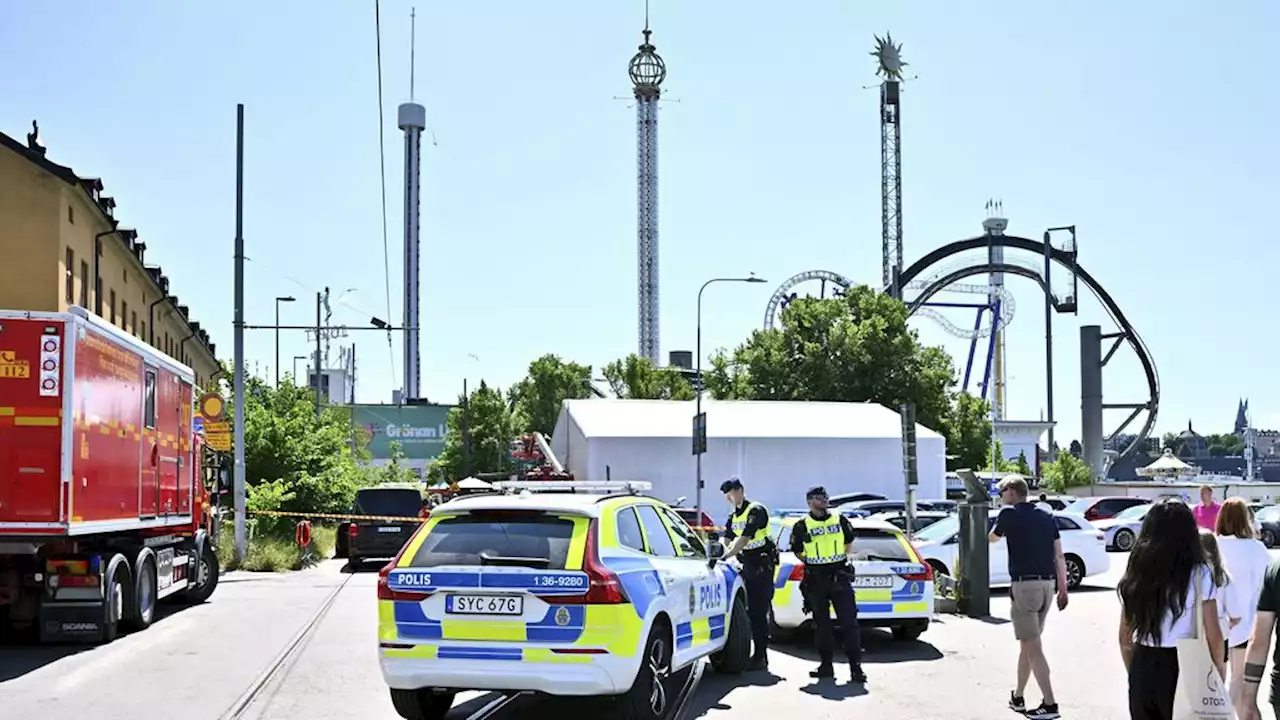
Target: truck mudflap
[(72, 622)]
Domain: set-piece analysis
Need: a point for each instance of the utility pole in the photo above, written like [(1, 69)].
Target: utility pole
[(466, 431), (238, 383), (319, 327)]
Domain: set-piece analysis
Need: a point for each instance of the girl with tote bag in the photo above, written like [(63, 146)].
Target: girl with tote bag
[(1170, 638)]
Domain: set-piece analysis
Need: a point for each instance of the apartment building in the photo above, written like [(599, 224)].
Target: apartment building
[(61, 245)]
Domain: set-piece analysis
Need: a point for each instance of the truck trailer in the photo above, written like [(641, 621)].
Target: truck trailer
[(104, 510)]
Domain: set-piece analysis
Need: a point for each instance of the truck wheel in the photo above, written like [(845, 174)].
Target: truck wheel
[(114, 599), (144, 596), (423, 704), (649, 697), (206, 578), (733, 658)]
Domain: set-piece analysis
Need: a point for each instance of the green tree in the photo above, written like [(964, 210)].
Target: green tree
[(395, 471), (1066, 472), (1021, 466), (537, 398), (1003, 464), (1226, 445), (486, 446), (855, 348), (967, 429), (296, 460), (636, 378)]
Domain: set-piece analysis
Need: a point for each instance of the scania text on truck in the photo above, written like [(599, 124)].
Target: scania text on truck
[(103, 506)]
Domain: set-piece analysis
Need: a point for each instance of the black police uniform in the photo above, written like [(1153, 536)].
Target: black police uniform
[(826, 586), (758, 567)]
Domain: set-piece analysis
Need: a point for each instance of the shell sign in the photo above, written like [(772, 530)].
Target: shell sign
[(212, 406)]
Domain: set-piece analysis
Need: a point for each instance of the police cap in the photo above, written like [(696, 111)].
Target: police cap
[(816, 491), (730, 484)]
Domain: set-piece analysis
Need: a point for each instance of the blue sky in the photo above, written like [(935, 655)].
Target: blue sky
[(1151, 127)]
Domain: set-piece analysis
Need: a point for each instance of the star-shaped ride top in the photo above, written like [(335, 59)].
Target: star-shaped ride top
[(888, 58)]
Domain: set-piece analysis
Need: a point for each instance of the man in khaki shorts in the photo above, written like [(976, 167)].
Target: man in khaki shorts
[(1038, 571)]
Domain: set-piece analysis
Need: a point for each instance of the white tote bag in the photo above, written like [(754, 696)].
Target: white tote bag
[(1201, 693)]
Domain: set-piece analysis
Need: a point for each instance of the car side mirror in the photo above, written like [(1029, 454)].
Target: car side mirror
[(952, 540), (715, 550)]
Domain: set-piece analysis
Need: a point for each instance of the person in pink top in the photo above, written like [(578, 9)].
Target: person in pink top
[(1207, 511)]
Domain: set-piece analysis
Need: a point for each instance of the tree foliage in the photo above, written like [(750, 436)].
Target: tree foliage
[(478, 438), (1066, 472), (538, 397), (1021, 466), (395, 471), (855, 348), (636, 378), (1002, 464), (967, 428)]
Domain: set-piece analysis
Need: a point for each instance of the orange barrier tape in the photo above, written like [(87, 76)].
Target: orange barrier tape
[(336, 516)]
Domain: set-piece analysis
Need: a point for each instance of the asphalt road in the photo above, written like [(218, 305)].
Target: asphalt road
[(224, 659)]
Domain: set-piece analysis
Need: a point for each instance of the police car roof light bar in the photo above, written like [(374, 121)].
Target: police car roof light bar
[(632, 487)]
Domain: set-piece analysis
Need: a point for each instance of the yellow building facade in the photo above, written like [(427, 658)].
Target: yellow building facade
[(61, 245)]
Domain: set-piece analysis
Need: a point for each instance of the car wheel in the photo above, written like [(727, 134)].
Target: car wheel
[(938, 568), (423, 704), (1123, 540), (911, 630), (779, 633), (1268, 537), (1075, 572), (733, 658), (340, 543), (649, 697)]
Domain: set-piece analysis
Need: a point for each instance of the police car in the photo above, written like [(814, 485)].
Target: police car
[(892, 584), (586, 591)]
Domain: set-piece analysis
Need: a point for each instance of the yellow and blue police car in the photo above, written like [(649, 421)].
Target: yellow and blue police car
[(893, 586), (589, 589)]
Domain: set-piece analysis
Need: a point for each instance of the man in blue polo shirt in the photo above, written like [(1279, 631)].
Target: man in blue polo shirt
[(1036, 564)]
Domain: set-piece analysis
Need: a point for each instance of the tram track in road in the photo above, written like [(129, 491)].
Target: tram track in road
[(258, 690), (509, 705)]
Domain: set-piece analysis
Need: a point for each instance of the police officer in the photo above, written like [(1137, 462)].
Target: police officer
[(823, 540), (748, 531)]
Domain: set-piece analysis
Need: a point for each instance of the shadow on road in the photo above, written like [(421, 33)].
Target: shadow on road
[(368, 566), (24, 654), (714, 688), (878, 647)]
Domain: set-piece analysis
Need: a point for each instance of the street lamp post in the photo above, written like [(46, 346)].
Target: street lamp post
[(698, 378), (287, 298)]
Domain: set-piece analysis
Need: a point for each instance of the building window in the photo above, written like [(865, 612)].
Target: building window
[(71, 276), (143, 334), (112, 298), (124, 315), (133, 322), (97, 294), (124, 275), (84, 284), (71, 215)]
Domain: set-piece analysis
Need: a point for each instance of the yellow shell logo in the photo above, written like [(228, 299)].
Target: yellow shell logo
[(562, 616)]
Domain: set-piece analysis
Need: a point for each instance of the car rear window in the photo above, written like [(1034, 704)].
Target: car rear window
[(879, 545), (532, 539), (391, 502)]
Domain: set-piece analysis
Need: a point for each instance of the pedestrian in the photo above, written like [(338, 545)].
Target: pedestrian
[(1229, 612), (748, 529), (1167, 571), (824, 542), (1043, 504), (1036, 564), (1207, 511), (1246, 560), (1264, 626)]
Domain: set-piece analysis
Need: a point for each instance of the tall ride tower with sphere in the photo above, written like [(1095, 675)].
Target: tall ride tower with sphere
[(647, 71)]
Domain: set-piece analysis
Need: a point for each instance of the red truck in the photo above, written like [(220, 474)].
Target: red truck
[(103, 505)]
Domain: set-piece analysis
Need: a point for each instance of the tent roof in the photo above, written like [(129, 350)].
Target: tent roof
[(736, 419)]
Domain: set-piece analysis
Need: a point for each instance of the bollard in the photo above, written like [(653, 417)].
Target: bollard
[(974, 556)]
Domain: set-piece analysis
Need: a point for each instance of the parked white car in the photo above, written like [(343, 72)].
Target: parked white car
[(1083, 545), (1121, 531)]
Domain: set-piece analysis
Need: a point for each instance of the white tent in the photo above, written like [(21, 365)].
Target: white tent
[(1168, 465), (778, 449)]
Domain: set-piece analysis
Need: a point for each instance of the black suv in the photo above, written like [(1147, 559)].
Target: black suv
[(361, 539)]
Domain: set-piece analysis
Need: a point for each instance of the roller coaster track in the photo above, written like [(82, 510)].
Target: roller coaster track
[(1068, 261)]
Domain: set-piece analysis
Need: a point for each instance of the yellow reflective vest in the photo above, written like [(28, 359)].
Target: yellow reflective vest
[(825, 545), (738, 522)]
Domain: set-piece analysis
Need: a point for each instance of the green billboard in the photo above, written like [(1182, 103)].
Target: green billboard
[(419, 429)]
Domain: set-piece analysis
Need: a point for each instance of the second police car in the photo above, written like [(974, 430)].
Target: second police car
[(893, 586), (564, 593)]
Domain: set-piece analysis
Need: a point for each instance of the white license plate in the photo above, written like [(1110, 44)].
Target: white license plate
[(873, 581), (389, 529), (484, 605)]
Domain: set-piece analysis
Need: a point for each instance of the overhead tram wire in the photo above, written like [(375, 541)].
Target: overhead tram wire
[(382, 159)]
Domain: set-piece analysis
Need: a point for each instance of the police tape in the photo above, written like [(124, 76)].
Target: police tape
[(338, 516)]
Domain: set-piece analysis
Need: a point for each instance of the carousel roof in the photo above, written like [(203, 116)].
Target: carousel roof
[(1168, 464)]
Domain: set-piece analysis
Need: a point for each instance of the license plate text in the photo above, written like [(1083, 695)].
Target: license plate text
[(484, 605)]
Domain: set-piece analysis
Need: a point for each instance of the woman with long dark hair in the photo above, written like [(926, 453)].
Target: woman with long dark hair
[(1166, 572)]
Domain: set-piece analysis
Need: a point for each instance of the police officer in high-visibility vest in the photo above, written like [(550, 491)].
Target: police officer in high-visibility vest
[(748, 532), (823, 541)]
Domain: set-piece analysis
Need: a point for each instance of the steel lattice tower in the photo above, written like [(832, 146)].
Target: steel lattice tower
[(413, 120), (890, 62), (647, 71)]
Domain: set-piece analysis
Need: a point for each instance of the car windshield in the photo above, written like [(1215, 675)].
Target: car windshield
[(526, 539), (1137, 512), (879, 545), (939, 531), (1269, 514), (389, 502)]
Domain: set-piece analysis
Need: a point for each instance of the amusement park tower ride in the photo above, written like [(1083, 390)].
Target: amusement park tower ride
[(647, 71), (413, 120), (994, 226), (890, 64)]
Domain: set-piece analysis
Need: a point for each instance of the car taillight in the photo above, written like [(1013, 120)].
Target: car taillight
[(384, 578), (797, 573), (352, 530), (928, 569), (603, 585)]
